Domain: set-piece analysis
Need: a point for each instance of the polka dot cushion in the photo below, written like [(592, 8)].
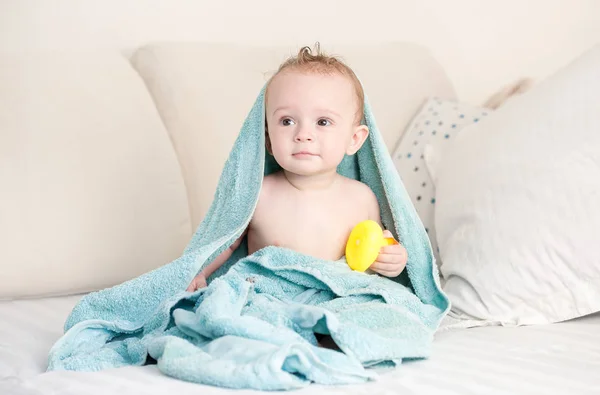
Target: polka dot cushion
[(421, 146)]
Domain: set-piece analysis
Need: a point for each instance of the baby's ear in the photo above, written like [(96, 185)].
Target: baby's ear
[(361, 132)]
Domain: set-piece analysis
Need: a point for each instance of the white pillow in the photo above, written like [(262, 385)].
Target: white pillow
[(421, 147), (518, 205)]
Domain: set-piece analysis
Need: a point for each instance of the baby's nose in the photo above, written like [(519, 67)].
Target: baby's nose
[(303, 134)]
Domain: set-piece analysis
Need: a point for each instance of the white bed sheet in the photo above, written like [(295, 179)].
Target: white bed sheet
[(555, 359)]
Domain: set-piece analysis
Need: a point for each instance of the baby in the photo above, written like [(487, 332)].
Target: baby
[(314, 108)]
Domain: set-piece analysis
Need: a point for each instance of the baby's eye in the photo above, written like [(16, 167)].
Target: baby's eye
[(323, 122), (287, 121)]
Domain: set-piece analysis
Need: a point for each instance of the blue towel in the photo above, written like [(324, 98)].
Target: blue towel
[(254, 325)]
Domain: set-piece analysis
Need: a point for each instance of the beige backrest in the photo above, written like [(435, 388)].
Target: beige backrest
[(91, 189), (203, 93)]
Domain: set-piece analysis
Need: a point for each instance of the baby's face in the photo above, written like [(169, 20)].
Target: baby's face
[(311, 119)]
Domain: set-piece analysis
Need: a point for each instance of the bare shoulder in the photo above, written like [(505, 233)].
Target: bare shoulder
[(363, 195), (267, 191), (360, 189), (270, 184), (272, 178)]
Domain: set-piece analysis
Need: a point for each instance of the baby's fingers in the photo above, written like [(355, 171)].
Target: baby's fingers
[(192, 287), (389, 258), (387, 269), (198, 282), (396, 249)]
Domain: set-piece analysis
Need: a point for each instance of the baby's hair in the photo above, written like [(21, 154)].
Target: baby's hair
[(320, 62)]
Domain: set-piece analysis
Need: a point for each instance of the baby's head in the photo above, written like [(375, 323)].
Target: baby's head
[(314, 109)]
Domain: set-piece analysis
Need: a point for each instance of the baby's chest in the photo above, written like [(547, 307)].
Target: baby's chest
[(317, 229)]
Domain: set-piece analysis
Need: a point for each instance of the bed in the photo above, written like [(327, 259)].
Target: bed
[(550, 359)]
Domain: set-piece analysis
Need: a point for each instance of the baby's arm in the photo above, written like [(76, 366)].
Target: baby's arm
[(391, 260), (200, 280)]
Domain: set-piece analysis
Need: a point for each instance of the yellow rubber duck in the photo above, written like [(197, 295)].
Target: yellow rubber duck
[(364, 244)]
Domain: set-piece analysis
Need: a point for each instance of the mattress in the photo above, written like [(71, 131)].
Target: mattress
[(553, 359)]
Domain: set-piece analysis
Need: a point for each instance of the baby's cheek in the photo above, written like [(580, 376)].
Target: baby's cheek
[(280, 146), (336, 152), (278, 153)]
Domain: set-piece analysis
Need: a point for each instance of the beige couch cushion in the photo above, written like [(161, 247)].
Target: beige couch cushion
[(204, 91), (92, 193)]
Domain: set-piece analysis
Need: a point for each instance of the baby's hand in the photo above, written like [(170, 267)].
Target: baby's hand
[(391, 260), (198, 282)]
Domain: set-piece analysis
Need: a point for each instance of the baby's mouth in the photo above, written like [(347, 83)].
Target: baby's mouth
[(304, 154)]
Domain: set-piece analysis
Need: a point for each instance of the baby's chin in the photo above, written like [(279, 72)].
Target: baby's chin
[(305, 171)]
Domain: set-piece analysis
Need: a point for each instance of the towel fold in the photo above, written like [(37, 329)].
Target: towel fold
[(254, 325)]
